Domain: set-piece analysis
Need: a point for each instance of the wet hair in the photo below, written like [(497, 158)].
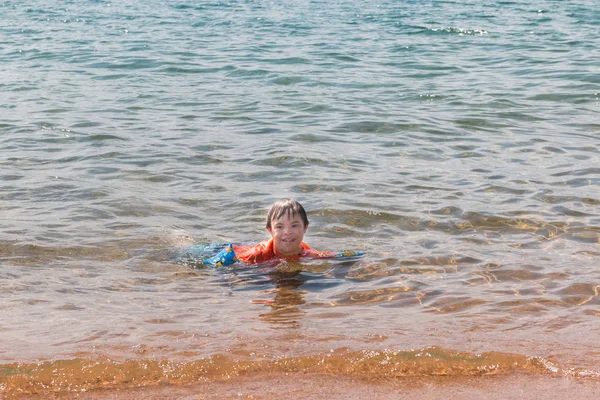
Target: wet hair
[(286, 206)]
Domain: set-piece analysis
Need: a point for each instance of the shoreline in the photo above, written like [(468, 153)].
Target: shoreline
[(428, 373), (322, 387)]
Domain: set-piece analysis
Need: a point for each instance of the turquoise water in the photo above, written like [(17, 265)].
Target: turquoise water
[(457, 143)]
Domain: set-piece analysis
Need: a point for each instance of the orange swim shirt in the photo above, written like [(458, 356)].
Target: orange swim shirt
[(264, 251)]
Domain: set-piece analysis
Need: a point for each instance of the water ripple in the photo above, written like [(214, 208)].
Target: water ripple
[(455, 143)]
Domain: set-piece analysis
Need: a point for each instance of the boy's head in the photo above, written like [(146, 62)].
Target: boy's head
[(287, 223), (286, 206)]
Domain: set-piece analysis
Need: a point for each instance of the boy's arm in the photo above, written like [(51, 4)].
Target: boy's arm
[(225, 257)]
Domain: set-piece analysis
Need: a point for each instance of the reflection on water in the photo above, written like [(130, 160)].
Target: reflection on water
[(285, 298)]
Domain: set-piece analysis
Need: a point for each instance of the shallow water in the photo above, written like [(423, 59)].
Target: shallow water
[(455, 142)]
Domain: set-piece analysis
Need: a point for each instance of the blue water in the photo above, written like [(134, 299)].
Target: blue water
[(457, 143)]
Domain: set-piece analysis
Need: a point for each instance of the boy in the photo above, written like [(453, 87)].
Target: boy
[(286, 223)]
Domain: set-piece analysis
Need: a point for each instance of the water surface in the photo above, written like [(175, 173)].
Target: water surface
[(455, 142)]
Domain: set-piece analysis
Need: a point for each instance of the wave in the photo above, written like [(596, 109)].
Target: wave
[(89, 374)]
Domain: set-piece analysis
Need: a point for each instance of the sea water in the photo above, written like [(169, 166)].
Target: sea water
[(455, 142)]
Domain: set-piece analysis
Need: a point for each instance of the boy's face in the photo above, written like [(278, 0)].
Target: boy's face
[(287, 233)]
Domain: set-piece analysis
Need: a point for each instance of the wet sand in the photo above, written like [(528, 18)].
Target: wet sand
[(321, 387)]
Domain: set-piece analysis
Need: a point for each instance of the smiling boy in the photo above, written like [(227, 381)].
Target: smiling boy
[(286, 223)]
